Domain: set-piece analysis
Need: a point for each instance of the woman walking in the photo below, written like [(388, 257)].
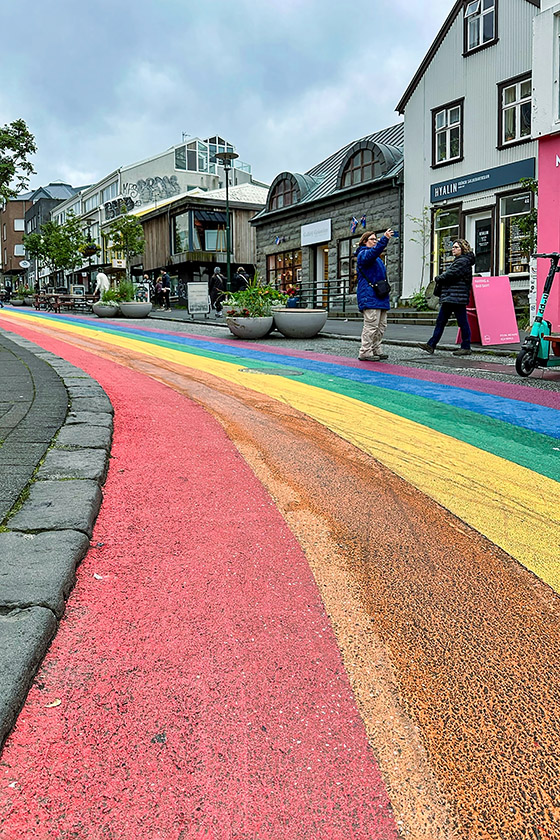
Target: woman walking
[(455, 284), (373, 294)]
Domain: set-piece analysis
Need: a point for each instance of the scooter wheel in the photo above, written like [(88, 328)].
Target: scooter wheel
[(526, 362)]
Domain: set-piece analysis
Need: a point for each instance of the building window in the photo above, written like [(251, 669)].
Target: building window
[(19, 251), (447, 133), (361, 167), (514, 118), (283, 270), (19, 224), (513, 260), (109, 192), (480, 24), (283, 195), (91, 203), (346, 263), (446, 232)]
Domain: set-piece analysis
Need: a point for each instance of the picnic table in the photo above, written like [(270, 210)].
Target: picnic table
[(55, 302)]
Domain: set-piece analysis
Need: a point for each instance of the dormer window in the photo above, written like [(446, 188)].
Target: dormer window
[(480, 24), (361, 167), (283, 195)]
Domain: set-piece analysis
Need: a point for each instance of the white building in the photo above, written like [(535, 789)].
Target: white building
[(468, 142), (190, 165)]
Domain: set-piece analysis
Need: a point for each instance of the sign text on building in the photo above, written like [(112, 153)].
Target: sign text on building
[(316, 232), (487, 179)]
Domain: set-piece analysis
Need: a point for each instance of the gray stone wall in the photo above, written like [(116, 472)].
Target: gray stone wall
[(382, 209)]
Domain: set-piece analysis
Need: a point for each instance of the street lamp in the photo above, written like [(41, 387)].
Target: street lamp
[(225, 159)]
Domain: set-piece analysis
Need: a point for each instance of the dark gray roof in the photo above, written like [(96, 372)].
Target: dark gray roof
[(56, 190), (321, 180)]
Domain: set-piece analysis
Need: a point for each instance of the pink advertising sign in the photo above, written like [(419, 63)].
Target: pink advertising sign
[(495, 310)]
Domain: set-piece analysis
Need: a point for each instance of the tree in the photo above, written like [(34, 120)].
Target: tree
[(59, 247), (16, 144), (126, 235), (422, 236)]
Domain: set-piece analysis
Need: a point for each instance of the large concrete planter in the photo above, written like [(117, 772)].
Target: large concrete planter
[(105, 310), (17, 302), (135, 309), (299, 323), (29, 301), (250, 328)]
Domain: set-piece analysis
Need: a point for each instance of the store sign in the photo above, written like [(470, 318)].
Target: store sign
[(487, 179), (495, 310), (316, 232), (198, 301), (118, 263)]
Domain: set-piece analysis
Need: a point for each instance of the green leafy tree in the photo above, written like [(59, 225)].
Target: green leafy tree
[(126, 235), (422, 236), (59, 247), (16, 144)]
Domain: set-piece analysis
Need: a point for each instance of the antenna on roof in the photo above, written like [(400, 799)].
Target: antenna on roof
[(184, 136)]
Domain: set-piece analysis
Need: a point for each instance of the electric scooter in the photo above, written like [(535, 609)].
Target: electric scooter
[(541, 347)]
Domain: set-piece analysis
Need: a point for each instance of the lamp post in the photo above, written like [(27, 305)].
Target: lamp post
[(226, 158)]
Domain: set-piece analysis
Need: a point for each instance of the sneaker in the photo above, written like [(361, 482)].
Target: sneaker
[(462, 352), (427, 347), (383, 356), (369, 358)]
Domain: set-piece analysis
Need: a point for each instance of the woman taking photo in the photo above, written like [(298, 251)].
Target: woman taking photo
[(373, 293), (455, 290)]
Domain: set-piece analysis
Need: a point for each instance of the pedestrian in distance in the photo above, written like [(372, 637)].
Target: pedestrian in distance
[(216, 289), (102, 284), (159, 295), (240, 280), (165, 290), (453, 287), (373, 293)]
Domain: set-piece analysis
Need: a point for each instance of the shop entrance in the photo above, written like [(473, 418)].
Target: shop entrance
[(479, 231), (321, 276)]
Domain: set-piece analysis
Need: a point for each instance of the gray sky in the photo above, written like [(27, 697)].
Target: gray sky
[(108, 82)]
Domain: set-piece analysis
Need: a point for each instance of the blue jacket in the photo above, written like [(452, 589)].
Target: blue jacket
[(371, 268)]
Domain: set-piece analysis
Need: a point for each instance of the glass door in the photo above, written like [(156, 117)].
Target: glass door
[(479, 230)]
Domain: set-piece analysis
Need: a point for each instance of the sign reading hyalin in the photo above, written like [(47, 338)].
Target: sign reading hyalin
[(488, 179)]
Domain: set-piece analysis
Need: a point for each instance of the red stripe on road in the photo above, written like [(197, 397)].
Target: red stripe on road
[(202, 691)]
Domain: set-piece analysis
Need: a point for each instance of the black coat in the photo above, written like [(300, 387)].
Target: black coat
[(456, 280)]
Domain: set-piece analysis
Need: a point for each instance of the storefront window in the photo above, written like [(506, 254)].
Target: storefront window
[(513, 260), (181, 233), (347, 263), (283, 270), (446, 232)]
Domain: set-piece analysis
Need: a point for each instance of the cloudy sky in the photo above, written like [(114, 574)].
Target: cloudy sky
[(108, 82)]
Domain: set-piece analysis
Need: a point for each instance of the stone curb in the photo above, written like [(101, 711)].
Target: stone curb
[(48, 535)]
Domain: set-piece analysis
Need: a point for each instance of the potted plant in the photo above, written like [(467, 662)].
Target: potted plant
[(295, 322), (128, 304), (249, 311), (108, 305), (17, 299)]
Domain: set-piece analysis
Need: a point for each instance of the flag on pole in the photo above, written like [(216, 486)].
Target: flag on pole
[(363, 221), (353, 224)]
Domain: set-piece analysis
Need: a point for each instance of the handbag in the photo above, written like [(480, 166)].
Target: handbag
[(382, 288), (438, 288)]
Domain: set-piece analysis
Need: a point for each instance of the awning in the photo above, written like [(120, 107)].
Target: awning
[(210, 216)]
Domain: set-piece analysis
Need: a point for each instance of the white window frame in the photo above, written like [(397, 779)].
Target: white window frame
[(19, 250), (19, 224), (447, 125), (515, 107), (475, 14)]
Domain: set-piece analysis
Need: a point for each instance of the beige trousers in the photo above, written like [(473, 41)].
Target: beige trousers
[(375, 323)]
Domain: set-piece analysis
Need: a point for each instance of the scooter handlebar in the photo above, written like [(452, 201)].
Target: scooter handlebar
[(548, 256)]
